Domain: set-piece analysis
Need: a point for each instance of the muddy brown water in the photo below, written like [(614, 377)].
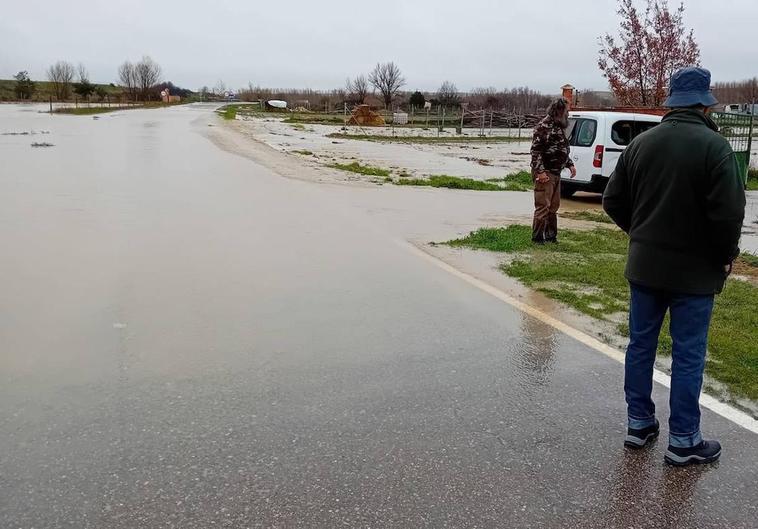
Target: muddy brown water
[(190, 339)]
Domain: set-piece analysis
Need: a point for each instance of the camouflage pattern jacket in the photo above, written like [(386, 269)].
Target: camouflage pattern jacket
[(550, 148)]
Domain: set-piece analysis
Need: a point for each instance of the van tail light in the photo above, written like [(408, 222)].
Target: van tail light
[(597, 161)]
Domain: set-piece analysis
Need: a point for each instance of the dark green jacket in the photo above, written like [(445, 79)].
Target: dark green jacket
[(676, 191)]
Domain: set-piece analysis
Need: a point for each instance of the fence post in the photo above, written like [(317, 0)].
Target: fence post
[(749, 145), (492, 117)]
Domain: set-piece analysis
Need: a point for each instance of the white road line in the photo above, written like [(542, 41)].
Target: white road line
[(728, 412)]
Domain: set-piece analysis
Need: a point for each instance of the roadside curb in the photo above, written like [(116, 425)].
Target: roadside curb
[(728, 412)]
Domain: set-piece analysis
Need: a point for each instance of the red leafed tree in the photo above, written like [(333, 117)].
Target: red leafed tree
[(651, 45)]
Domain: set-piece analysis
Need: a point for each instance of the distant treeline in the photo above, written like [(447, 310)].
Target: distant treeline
[(520, 100), (139, 81), (737, 92), (44, 91)]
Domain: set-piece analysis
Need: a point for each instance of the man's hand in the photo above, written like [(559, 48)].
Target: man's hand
[(543, 177), (573, 171)]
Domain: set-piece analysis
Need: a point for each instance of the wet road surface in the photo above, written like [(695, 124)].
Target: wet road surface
[(189, 340)]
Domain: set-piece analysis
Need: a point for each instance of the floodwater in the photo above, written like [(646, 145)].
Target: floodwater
[(190, 339), (477, 160)]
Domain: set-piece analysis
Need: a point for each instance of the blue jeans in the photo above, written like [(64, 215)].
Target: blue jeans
[(690, 319)]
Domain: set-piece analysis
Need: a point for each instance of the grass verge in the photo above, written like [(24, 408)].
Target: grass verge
[(585, 271), (521, 181), (228, 112), (593, 215), (356, 167), (450, 182), (752, 180)]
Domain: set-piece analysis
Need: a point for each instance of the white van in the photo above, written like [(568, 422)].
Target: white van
[(597, 140)]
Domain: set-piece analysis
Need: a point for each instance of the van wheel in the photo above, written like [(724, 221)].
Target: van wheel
[(567, 191)]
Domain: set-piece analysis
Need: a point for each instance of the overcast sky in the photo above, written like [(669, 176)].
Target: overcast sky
[(310, 44)]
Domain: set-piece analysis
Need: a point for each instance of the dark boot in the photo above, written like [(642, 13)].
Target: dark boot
[(705, 452)]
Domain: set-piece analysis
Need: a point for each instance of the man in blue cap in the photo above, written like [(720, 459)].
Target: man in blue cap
[(677, 192)]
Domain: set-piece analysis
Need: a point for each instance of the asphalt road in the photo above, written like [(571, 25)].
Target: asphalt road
[(190, 340)]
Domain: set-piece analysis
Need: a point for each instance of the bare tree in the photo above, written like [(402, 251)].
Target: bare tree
[(447, 95), (388, 80), (83, 73), (357, 89), (127, 76), (219, 88), (592, 98), (484, 97), (148, 74), (60, 75), (737, 92)]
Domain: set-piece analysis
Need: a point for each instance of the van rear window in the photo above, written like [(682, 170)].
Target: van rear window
[(623, 132), (582, 132)]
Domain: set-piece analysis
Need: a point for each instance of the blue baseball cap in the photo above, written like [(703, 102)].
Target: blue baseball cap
[(689, 87)]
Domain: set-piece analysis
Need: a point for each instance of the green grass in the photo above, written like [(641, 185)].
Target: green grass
[(521, 181), (749, 259), (733, 344), (593, 215), (356, 167), (450, 182), (426, 139), (228, 112), (585, 271), (752, 180), (315, 119)]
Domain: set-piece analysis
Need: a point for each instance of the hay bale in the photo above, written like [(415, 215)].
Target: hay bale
[(363, 115)]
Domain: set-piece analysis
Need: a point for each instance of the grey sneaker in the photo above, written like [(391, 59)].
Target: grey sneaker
[(640, 438), (705, 452)]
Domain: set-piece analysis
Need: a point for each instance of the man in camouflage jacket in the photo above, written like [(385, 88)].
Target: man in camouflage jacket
[(550, 155)]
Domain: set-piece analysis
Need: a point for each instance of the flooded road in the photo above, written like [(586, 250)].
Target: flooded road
[(188, 339)]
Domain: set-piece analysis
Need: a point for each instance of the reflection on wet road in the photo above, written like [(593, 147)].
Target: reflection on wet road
[(537, 352), (190, 340)]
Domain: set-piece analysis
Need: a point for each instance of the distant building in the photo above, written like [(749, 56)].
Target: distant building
[(166, 97)]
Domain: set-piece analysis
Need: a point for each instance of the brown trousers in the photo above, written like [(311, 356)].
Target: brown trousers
[(547, 200)]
